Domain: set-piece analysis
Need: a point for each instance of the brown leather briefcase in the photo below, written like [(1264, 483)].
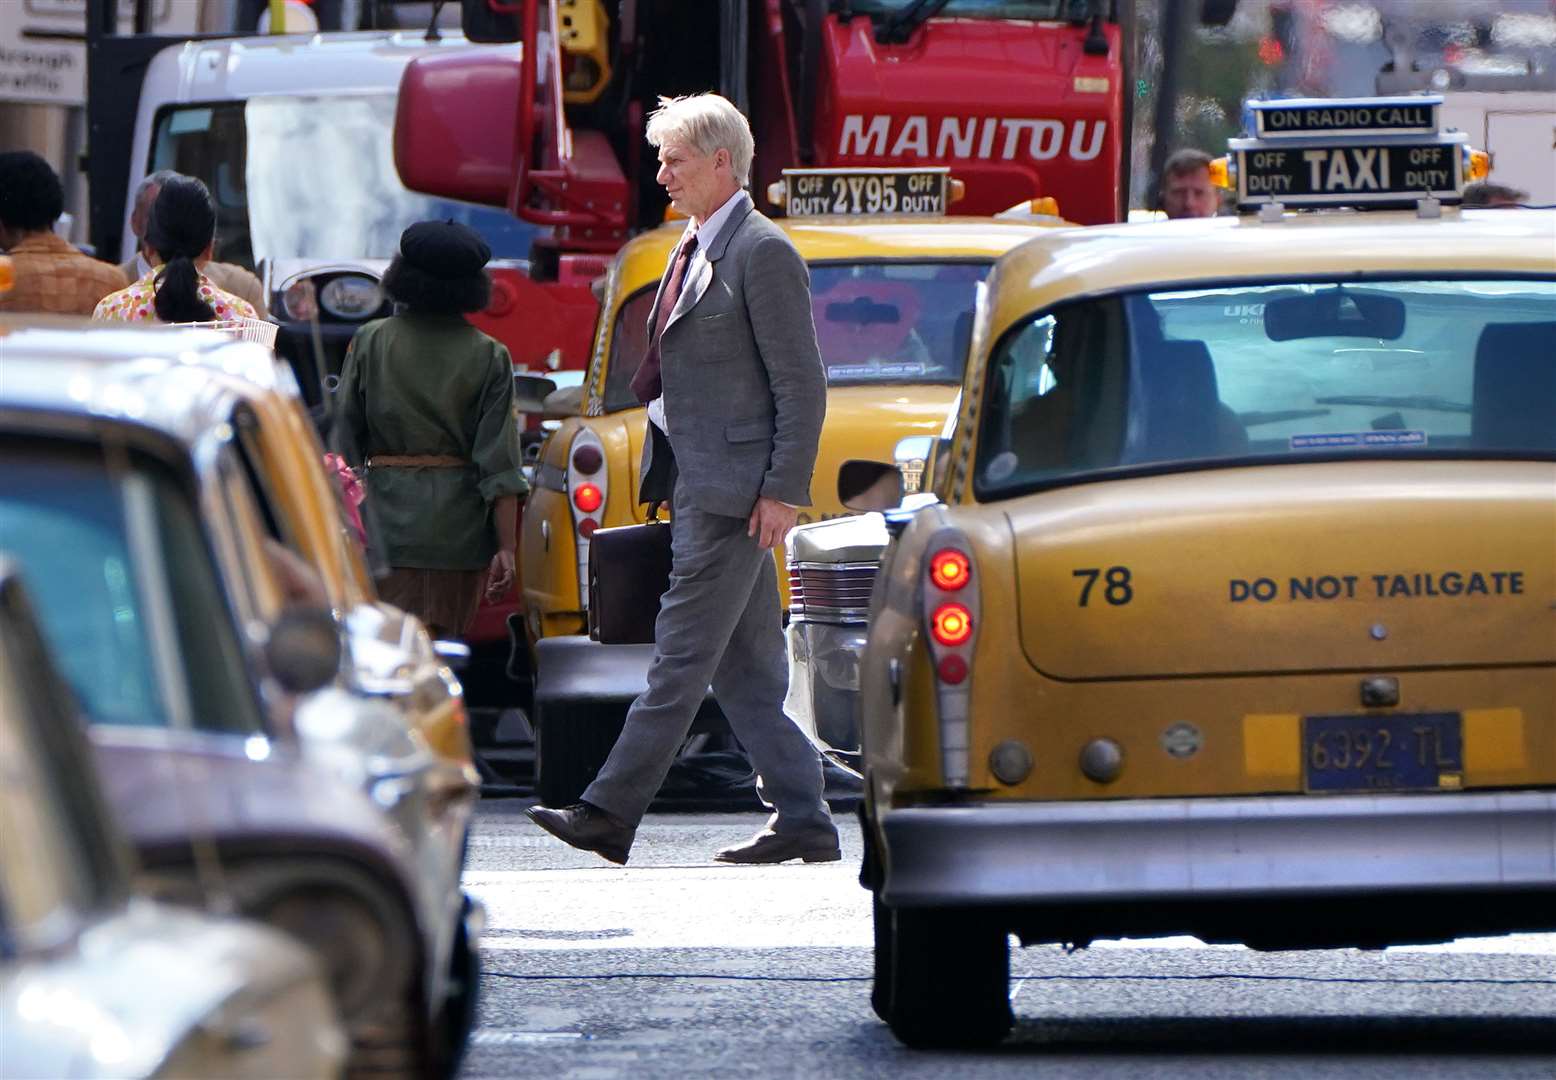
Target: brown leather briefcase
[(629, 570)]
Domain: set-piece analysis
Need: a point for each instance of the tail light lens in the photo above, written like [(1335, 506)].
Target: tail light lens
[(588, 459), (951, 614), (952, 670), (587, 498), (951, 624), (949, 569), (588, 489)]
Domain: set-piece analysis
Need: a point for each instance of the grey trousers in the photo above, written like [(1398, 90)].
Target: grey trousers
[(719, 625)]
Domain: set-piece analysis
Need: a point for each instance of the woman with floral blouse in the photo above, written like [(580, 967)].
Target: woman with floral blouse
[(180, 232)]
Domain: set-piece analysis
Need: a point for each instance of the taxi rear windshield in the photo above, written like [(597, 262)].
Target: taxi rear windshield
[(876, 322), (1264, 373)]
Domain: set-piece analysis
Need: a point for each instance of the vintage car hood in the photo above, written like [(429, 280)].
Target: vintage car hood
[(862, 422), (85, 1012), (165, 786), (857, 539), (1297, 568)]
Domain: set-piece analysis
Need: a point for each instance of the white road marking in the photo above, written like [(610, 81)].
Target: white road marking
[(796, 906)]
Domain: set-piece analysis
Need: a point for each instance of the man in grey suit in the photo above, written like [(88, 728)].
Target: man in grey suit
[(736, 393)]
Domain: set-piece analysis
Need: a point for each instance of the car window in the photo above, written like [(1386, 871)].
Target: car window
[(629, 341), (123, 583), (1255, 373), (894, 322), (876, 323)]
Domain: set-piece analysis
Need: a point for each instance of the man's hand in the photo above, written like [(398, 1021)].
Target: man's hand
[(499, 576), (771, 521)]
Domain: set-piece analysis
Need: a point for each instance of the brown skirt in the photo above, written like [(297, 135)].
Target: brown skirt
[(443, 599)]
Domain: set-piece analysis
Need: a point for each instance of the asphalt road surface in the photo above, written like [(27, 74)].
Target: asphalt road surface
[(679, 967)]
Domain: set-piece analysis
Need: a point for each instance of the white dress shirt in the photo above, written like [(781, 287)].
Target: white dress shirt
[(710, 229)]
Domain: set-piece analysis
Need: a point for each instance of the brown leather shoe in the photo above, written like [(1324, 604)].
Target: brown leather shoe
[(587, 828), (812, 845)]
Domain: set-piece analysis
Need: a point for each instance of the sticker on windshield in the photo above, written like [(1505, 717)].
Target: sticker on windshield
[(1358, 440), (886, 370)]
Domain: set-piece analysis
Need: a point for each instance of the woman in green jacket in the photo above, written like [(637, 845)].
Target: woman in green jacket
[(425, 407)]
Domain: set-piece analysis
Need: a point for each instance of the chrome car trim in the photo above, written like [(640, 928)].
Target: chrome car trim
[(1141, 850), (550, 477), (823, 694), (831, 592)]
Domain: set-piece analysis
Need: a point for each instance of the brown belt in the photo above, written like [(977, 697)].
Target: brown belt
[(413, 461)]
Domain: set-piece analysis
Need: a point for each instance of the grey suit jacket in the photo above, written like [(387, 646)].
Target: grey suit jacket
[(744, 387)]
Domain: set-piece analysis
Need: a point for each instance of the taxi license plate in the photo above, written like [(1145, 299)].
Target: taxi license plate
[(832, 192), (1417, 752)]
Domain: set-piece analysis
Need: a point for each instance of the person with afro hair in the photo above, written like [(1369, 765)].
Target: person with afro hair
[(52, 276), (425, 409)]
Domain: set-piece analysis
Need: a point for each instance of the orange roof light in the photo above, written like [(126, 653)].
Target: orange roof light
[(949, 569), (951, 624), (1479, 165), (1221, 172)]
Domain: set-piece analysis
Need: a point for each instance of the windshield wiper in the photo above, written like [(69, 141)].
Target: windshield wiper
[(897, 29), (1429, 402)]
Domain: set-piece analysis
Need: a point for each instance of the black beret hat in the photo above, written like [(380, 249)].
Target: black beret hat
[(444, 249)]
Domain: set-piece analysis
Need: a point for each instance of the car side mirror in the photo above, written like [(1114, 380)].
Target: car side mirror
[(530, 392), (304, 650), (869, 485)]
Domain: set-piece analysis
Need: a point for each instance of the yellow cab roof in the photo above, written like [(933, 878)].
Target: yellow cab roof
[(1069, 263), (642, 260)]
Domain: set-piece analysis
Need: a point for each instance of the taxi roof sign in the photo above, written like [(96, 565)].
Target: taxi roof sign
[(924, 191), (1368, 152), (1298, 117)]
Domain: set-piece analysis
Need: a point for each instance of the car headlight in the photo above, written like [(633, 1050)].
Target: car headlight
[(300, 301), (351, 296)]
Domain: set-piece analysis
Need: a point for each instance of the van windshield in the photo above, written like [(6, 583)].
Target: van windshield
[(1249, 374), (310, 177)]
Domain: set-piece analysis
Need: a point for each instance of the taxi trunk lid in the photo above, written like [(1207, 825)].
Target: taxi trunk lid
[(1295, 568)]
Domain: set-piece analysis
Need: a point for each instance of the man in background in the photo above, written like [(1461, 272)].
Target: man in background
[(229, 277), (52, 276), (1186, 188)]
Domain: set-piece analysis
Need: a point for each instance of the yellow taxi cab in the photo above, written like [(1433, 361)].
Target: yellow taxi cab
[(892, 298), (1235, 612)]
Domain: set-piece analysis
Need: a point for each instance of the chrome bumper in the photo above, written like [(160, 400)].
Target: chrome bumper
[(1218, 849), (824, 687)]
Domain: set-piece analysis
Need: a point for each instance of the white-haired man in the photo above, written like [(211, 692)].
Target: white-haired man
[(736, 393)]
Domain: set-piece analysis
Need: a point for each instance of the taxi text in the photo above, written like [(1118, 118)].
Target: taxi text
[(1390, 586)]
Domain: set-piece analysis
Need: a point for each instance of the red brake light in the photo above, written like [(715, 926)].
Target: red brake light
[(588, 459), (951, 624), (587, 498), (952, 669), (950, 569), (586, 527)]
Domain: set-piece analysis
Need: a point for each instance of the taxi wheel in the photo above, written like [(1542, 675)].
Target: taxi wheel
[(571, 743), (948, 974), (880, 989)]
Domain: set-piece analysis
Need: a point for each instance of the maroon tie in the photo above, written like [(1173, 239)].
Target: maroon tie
[(646, 383)]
